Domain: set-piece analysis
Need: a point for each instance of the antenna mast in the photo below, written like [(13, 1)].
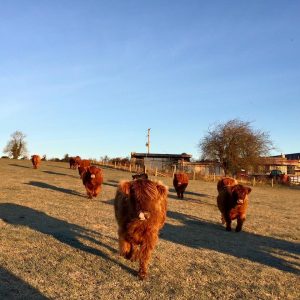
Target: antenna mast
[(148, 141)]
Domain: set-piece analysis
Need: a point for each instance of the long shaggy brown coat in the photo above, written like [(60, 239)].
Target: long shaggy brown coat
[(225, 182), (232, 202), (140, 210), (36, 160), (180, 183), (74, 162), (92, 179), (84, 164)]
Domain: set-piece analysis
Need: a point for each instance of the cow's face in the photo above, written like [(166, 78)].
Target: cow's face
[(239, 193)]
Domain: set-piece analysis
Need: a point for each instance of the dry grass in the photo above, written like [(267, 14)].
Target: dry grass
[(57, 244)]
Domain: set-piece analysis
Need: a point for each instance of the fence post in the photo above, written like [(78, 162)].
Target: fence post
[(129, 167), (272, 182), (253, 181), (115, 164), (194, 174), (156, 172), (214, 176), (145, 169)]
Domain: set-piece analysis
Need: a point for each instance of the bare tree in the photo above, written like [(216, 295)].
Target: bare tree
[(66, 158), (17, 145), (235, 145)]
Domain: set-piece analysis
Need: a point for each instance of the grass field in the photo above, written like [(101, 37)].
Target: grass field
[(57, 244)]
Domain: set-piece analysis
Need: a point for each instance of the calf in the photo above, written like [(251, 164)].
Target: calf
[(36, 160), (84, 164), (180, 182), (92, 179), (232, 202), (140, 210)]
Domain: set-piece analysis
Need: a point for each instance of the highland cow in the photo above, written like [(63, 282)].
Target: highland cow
[(92, 179), (36, 160), (180, 183), (140, 210), (83, 166), (74, 162), (232, 202)]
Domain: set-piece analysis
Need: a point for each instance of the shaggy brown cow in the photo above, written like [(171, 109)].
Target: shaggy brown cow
[(84, 163), (224, 182), (140, 176), (285, 179), (74, 162), (36, 160), (92, 179), (233, 202), (140, 210), (180, 182)]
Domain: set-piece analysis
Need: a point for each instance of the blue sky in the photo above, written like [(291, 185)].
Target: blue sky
[(89, 77)]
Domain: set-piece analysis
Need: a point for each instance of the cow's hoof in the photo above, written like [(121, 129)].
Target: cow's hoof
[(142, 275)]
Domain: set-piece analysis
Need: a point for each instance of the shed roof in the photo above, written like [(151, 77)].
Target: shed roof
[(160, 155)]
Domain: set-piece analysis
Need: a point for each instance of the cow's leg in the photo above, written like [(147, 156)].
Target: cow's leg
[(135, 253), (240, 221), (228, 221), (97, 190), (124, 246), (145, 254), (222, 219), (89, 192)]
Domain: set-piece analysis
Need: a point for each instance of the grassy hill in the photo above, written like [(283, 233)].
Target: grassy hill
[(57, 244)]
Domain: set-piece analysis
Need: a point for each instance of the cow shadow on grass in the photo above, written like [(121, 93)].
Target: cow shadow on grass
[(192, 200), (25, 167), (60, 174), (63, 231), (113, 181), (201, 200), (61, 167), (54, 188), (171, 190), (198, 233), (110, 184), (13, 287), (109, 202)]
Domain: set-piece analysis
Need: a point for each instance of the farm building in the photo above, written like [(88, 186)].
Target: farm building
[(204, 168), (164, 162), (293, 156), (288, 164)]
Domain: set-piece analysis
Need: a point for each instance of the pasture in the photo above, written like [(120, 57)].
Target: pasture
[(57, 244)]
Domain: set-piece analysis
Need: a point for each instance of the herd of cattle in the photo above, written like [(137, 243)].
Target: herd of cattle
[(140, 206)]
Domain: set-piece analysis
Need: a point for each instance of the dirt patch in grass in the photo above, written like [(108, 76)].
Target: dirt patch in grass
[(57, 244)]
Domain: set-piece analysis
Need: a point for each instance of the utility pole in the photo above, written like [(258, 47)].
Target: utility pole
[(148, 140)]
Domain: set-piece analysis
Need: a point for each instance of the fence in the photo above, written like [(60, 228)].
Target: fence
[(295, 180), (193, 175)]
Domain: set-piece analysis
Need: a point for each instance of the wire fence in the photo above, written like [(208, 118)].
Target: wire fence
[(252, 180)]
